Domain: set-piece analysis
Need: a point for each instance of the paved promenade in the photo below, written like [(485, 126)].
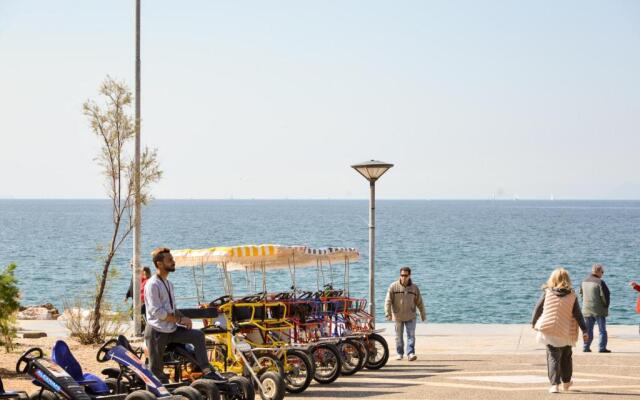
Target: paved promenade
[(472, 361)]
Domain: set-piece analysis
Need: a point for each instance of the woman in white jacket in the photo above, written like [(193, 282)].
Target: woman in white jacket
[(556, 317)]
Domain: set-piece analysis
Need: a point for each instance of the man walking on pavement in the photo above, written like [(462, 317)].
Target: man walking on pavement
[(403, 298), (595, 307)]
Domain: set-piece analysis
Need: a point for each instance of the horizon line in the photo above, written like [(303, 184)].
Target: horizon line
[(331, 198)]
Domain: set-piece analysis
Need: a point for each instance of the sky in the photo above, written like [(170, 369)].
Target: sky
[(255, 99)]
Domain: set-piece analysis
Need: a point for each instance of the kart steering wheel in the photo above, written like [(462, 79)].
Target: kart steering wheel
[(253, 297), (305, 295), (220, 301), (282, 296), (101, 356), (26, 358)]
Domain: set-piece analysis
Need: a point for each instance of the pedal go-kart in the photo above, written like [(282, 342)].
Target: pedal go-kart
[(127, 376), (71, 383)]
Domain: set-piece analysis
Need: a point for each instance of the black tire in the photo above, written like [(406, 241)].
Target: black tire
[(140, 395), (298, 372), (274, 386), (188, 392), (363, 348), (326, 359), (378, 351), (44, 395), (207, 388), (269, 363), (247, 388), (352, 357)]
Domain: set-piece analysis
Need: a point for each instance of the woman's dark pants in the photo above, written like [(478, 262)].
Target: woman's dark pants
[(559, 364)]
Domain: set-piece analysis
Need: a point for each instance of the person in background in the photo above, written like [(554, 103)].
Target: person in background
[(595, 307), (146, 274), (403, 298), (636, 286), (556, 318)]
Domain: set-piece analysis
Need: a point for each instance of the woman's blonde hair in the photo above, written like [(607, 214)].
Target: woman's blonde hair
[(559, 279)]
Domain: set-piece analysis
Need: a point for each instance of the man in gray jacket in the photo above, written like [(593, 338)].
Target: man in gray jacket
[(595, 306), (403, 298)]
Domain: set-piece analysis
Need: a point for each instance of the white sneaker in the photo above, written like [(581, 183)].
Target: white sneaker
[(567, 386), (554, 389), (412, 357), (399, 357)]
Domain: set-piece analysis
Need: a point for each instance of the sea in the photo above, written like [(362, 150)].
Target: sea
[(478, 261)]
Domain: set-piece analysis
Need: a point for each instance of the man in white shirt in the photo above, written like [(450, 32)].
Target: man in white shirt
[(165, 324)]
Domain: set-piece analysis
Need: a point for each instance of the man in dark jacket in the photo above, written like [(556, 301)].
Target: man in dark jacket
[(595, 306)]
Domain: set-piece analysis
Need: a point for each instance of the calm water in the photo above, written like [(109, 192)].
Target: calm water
[(475, 261)]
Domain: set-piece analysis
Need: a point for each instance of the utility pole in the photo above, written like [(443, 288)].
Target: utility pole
[(137, 318)]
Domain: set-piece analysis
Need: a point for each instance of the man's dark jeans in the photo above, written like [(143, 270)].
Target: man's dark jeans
[(157, 343), (602, 327)]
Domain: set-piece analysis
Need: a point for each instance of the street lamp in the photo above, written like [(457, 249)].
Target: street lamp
[(372, 170)]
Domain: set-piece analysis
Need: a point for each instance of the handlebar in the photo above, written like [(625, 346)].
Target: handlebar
[(102, 355), (26, 359)]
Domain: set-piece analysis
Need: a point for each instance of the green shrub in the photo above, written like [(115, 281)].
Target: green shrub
[(9, 305)]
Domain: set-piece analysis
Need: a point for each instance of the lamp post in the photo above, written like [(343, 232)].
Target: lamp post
[(137, 317), (372, 170)]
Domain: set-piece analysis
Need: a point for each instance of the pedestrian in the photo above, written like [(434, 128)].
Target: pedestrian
[(595, 307), (636, 286), (165, 323), (556, 318), (402, 301), (146, 274)]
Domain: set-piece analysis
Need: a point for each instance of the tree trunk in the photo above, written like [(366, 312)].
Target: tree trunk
[(98, 306)]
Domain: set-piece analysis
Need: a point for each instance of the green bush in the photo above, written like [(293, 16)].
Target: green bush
[(9, 306)]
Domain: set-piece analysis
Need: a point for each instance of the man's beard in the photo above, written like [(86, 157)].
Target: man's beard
[(170, 268)]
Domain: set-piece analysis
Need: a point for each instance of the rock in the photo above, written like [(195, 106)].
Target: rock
[(32, 335), (38, 313)]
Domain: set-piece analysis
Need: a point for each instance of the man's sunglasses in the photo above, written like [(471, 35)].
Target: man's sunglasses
[(404, 275)]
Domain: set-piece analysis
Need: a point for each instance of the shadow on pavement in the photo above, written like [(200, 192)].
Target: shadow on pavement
[(338, 395), (594, 392)]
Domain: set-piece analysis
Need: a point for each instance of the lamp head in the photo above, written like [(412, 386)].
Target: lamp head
[(372, 170)]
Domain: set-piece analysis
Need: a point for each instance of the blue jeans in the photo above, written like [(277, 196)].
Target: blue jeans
[(410, 327), (602, 327)]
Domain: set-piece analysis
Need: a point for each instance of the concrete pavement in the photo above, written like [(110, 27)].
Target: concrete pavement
[(477, 361)]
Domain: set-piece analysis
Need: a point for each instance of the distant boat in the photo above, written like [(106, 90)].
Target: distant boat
[(551, 197), (515, 197)]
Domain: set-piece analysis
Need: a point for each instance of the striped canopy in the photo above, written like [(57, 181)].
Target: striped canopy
[(268, 255)]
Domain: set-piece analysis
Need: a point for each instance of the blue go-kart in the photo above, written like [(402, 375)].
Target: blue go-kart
[(54, 382), (133, 375)]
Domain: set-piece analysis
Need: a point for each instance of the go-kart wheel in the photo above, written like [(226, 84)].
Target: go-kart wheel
[(207, 388), (246, 388), (102, 355), (188, 392), (140, 395), (34, 352), (352, 356), (273, 385), (269, 362), (328, 365), (299, 371), (378, 351), (43, 395)]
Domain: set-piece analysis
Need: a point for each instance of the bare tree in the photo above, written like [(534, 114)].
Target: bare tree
[(114, 126)]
